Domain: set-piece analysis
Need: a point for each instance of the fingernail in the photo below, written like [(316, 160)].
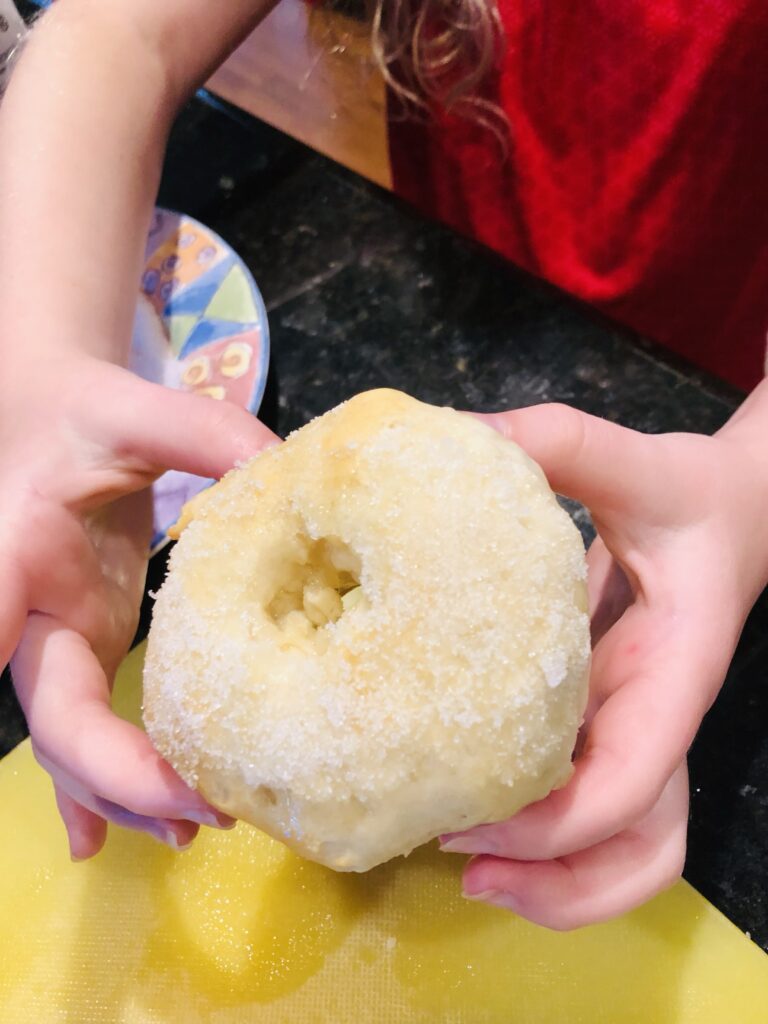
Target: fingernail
[(495, 898), (467, 844), (77, 860), (482, 897), (169, 838), (213, 819)]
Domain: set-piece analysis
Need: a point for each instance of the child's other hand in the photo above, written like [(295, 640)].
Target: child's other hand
[(681, 556), (76, 458)]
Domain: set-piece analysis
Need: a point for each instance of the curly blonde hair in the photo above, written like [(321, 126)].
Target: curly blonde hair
[(438, 52)]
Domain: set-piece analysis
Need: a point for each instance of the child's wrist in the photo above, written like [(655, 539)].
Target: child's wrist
[(48, 336)]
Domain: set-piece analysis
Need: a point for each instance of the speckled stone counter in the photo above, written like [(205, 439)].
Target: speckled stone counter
[(361, 293)]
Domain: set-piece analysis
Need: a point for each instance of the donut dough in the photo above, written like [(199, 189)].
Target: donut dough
[(373, 633)]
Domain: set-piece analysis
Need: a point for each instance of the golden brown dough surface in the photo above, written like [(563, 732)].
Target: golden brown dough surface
[(373, 633)]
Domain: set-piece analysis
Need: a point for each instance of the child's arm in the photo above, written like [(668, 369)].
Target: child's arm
[(83, 128), (82, 132), (681, 556)]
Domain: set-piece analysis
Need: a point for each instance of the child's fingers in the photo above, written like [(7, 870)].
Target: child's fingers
[(86, 831), (177, 833), (584, 457), (85, 809), (596, 884), (657, 692), (168, 429), (65, 697)]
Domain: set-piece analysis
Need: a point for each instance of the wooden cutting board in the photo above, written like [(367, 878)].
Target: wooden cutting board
[(240, 930)]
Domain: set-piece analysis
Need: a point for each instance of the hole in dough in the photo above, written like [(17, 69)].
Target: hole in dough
[(317, 589)]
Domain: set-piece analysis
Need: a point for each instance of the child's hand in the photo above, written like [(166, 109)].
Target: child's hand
[(681, 556), (76, 459)]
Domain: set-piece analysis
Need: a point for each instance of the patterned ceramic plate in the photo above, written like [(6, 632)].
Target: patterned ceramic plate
[(200, 326)]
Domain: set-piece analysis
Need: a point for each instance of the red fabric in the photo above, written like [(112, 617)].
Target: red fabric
[(637, 174)]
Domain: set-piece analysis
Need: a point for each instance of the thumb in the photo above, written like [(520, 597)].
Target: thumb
[(584, 457), (168, 429)]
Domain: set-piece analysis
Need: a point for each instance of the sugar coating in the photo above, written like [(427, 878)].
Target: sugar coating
[(446, 682)]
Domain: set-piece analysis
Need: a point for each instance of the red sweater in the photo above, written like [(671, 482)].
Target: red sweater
[(637, 175)]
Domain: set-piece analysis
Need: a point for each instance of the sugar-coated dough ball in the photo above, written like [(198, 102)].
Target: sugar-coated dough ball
[(373, 633)]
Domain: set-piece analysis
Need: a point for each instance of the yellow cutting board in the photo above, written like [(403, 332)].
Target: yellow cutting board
[(240, 930)]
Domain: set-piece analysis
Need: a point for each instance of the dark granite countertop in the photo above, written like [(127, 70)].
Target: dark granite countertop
[(361, 292)]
